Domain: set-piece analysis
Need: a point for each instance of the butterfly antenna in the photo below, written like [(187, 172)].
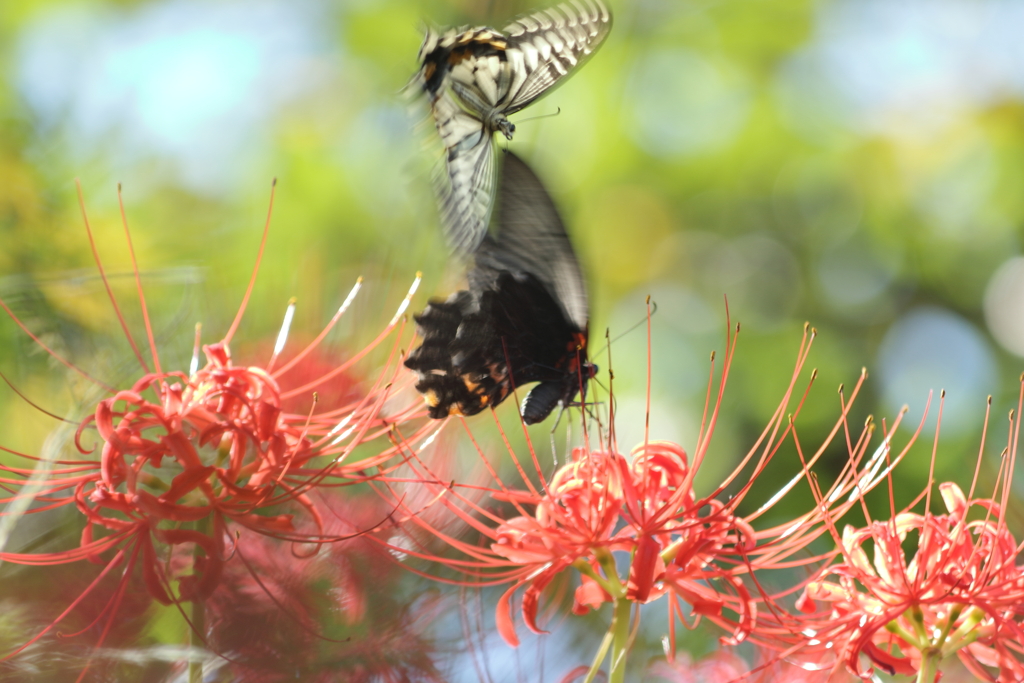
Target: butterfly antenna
[(541, 116), (609, 342), (612, 441)]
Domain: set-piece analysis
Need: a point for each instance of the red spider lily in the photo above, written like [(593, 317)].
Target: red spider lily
[(573, 522), (642, 508), (278, 618), (959, 591), (185, 457)]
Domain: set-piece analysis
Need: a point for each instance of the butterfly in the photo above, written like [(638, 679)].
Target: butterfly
[(523, 318), (475, 78)]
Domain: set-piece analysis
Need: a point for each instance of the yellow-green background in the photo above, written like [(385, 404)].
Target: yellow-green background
[(853, 164)]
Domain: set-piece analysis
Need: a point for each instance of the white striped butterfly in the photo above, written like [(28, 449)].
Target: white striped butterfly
[(475, 78)]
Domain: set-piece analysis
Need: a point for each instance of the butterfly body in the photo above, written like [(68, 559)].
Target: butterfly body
[(522, 320), (476, 78)]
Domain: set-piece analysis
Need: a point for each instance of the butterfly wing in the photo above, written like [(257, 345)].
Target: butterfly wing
[(533, 310), (465, 182), (531, 239), (446, 389), (505, 71), (522, 320), (476, 77), (546, 46)]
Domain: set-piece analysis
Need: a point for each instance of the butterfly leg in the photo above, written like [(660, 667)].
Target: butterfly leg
[(568, 433)]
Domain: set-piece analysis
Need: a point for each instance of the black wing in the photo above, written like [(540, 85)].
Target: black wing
[(522, 320), (531, 239)]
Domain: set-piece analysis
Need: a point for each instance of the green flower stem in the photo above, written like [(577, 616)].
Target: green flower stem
[(916, 618), (620, 640), (618, 636), (583, 567), (954, 614), (607, 562), (595, 667), (929, 666), (198, 630), (195, 665), (670, 552), (967, 633), (910, 638)]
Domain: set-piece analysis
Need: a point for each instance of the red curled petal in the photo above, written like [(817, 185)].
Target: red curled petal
[(266, 419), (954, 498), (702, 598), (531, 598), (183, 450), (888, 663), (590, 595), (112, 468), (78, 435), (805, 603), (86, 541), (150, 569), (643, 572), (104, 419), (239, 492), (185, 482), (264, 523), (503, 617), (218, 354), (575, 674)]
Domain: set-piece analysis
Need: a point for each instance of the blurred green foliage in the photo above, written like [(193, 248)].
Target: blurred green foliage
[(853, 164)]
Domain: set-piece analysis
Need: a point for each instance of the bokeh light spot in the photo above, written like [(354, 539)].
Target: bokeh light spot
[(1004, 305), (931, 348), (759, 275), (683, 104), (626, 235), (179, 81), (909, 69), (852, 276)]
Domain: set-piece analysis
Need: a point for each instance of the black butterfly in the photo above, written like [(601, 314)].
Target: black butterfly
[(523, 318), (475, 78)]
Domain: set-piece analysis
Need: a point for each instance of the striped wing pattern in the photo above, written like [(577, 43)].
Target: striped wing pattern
[(465, 182), (476, 77), (545, 46)]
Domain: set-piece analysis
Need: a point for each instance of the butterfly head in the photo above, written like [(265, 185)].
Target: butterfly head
[(506, 127)]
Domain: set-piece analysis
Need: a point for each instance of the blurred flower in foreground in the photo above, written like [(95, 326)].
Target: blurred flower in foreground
[(337, 616), (911, 590), (723, 667), (603, 511), (187, 462)]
